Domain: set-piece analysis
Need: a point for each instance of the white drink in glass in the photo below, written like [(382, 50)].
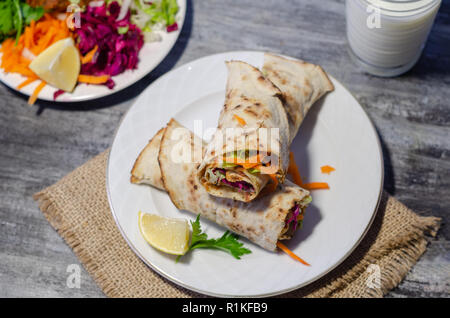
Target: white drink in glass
[(386, 38)]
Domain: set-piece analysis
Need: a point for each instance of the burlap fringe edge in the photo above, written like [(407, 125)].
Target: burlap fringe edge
[(415, 245)]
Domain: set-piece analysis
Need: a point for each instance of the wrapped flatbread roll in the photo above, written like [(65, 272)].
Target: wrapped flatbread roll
[(301, 84), (264, 221), (251, 145), (143, 171), (252, 101)]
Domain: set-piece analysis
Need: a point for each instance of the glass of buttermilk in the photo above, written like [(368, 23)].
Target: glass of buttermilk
[(386, 38)]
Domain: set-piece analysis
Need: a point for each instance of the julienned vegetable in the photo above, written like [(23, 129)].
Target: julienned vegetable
[(118, 42), (36, 92), (109, 43), (153, 16), (14, 16), (327, 169), (290, 253), (35, 39), (294, 172), (228, 242), (316, 186)]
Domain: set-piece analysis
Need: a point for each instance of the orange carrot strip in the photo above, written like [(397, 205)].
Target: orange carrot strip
[(273, 185), (26, 82), (91, 79), (248, 165), (45, 41), (250, 162), (239, 160), (290, 253), (274, 179), (267, 170), (28, 37), (22, 71), (88, 57), (270, 187), (230, 160), (316, 186), (32, 30), (293, 170), (327, 169), (36, 92), (241, 121)]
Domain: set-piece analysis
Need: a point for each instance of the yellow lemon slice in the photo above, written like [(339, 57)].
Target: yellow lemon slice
[(58, 65), (165, 234)]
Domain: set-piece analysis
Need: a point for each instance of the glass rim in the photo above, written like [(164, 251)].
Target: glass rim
[(425, 7)]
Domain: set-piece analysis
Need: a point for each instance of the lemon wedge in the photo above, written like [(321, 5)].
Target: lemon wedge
[(165, 234), (58, 65)]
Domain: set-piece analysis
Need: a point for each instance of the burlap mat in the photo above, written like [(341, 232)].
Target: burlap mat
[(77, 207)]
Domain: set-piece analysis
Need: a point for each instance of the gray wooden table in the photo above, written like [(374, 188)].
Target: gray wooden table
[(40, 144)]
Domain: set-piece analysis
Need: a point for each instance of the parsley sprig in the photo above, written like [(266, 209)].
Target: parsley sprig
[(228, 242), (15, 15)]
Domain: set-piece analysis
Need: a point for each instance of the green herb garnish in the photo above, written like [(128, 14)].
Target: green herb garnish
[(14, 15), (228, 242)]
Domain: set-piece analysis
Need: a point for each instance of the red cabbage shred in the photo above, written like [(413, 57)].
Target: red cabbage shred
[(116, 52)]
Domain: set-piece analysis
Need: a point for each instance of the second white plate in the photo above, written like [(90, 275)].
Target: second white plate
[(336, 132), (150, 56)]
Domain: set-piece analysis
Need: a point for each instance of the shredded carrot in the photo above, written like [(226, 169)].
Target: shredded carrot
[(230, 160), (273, 184), (249, 165), (36, 38), (272, 169), (91, 79), (28, 37), (32, 28), (251, 162), (274, 179), (293, 170), (36, 92), (241, 121), (89, 56), (327, 169), (316, 186), (29, 80), (245, 162), (290, 253), (45, 41)]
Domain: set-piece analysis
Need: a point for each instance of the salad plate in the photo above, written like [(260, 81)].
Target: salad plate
[(151, 54), (336, 132)]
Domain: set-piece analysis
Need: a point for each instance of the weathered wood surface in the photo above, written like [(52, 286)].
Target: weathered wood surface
[(41, 144)]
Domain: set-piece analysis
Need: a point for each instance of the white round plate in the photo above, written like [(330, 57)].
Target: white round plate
[(336, 132), (150, 56)]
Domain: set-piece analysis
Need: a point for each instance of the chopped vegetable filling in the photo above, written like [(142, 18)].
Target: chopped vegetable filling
[(218, 175), (294, 219)]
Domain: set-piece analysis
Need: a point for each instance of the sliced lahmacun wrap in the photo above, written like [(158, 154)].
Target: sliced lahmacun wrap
[(264, 221)]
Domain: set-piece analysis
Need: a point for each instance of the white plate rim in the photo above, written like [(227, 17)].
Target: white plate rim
[(279, 292), (183, 9)]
